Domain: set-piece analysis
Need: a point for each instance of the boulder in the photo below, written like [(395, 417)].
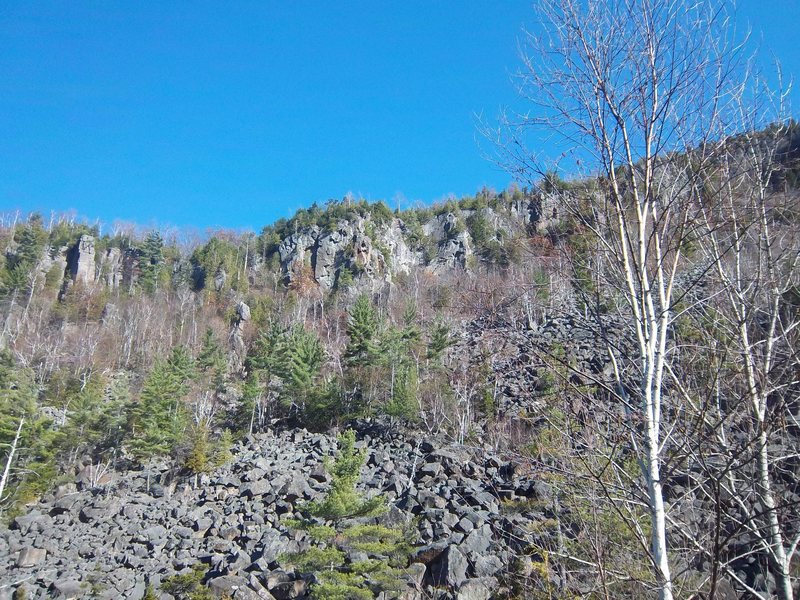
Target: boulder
[(30, 557), (68, 588), (450, 569), (477, 589)]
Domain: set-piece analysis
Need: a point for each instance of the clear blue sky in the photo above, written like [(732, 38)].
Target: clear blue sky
[(234, 114)]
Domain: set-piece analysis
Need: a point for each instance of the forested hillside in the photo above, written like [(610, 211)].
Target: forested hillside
[(583, 386), (480, 322)]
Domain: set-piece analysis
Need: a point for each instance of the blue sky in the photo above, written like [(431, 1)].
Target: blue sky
[(235, 114)]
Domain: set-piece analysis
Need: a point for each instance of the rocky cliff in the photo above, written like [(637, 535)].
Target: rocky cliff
[(373, 253)]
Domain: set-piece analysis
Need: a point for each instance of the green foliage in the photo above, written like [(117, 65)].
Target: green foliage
[(362, 331), (20, 593), (188, 586), (149, 593), (329, 558), (67, 233), (299, 361), (403, 401), (295, 358), (318, 559), (33, 467), (439, 340), (479, 229), (211, 356), (160, 417), (198, 460), (219, 256), (205, 454), (265, 354), (221, 452), (30, 240), (96, 414), (344, 279), (342, 500), (397, 349), (151, 262)]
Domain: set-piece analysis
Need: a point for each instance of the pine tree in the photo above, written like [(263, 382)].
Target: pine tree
[(342, 500), (160, 418), (398, 362), (31, 240), (199, 459), (26, 463), (440, 340), (301, 357), (211, 362), (181, 365), (410, 333), (211, 356), (151, 262), (265, 355), (362, 331), (336, 556)]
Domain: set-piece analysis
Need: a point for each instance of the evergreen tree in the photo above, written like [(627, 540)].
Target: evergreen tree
[(265, 355), (301, 355), (398, 362), (342, 500), (336, 556), (362, 332), (160, 418), (211, 362), (93, 420), (199, 459), (439, 340), (151, 262), (31, 240), (410, 333), (181, 365), (211, 357), (30, 461)]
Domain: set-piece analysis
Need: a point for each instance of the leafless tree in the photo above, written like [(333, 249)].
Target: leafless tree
[(622, 86), (749, 315)]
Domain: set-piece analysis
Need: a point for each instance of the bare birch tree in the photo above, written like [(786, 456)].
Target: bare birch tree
[(622, 86), (749, 400)]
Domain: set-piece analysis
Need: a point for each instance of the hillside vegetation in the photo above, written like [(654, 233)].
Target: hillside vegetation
[(472, 322)]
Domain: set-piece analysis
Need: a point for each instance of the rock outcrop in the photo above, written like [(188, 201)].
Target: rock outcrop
[(353, 249), (81, 260)]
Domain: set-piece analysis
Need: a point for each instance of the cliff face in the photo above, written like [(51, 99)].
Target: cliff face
[(361, 250), (373, 254)]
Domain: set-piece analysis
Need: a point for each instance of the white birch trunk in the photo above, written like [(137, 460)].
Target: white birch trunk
[(10, 459)]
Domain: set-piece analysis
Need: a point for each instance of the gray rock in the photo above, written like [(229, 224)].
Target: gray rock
[(289, 590), (111, 271), (68, 588), (477, 589), (450, 569), (415, 575), (255, 488), (477, 541), (243, 311), (81, 261), (24, 523), (487, 565), (294, 489), (227, 584), (30, 557), (465, 525)]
